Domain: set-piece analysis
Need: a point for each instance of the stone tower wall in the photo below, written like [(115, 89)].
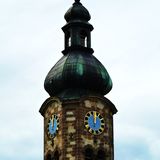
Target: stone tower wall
[(72, 137)]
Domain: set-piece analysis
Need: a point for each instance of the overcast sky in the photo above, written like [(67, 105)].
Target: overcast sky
[(126, 39)]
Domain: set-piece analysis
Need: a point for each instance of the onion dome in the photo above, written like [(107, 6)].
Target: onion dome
[(78, 73), (77, 12)]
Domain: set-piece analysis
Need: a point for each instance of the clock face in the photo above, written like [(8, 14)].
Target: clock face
[(94, 122), (53, 125)]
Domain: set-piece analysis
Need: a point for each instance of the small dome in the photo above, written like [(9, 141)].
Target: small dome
[(78, 71), (77, 12)]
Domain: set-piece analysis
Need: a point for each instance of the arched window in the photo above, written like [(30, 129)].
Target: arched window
[(83, 39), (88, 153), (56, 155), (85, 42), (67, 39), (48, 157), (101, 155)]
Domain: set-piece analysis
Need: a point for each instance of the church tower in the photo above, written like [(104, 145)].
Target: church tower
[(78, 119)]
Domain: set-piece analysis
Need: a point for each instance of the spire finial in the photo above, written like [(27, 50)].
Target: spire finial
[(77, 1)]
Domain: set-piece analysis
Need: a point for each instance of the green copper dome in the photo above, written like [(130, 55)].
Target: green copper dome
[(78, 71)]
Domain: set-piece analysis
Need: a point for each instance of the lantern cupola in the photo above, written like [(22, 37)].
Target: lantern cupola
[(77, 30)]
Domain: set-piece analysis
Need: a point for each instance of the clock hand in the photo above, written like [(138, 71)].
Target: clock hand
[(52, 122), (95, 117)]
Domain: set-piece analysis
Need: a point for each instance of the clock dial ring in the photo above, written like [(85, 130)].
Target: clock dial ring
[(94, 122)]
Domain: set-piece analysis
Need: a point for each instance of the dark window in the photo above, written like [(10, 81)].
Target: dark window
[(101, 155), (48, 157), (88, 154), (56, 156)]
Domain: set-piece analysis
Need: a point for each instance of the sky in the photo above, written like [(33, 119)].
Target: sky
[(126, 39)]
